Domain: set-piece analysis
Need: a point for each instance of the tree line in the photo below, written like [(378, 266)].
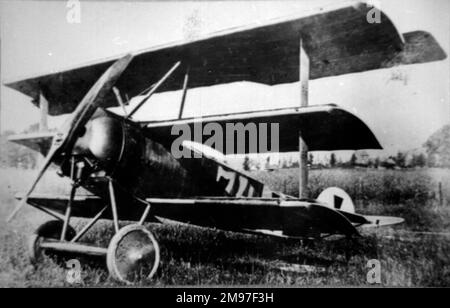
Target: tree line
[(399, 161)]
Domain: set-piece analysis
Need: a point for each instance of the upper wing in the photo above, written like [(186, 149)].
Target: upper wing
[(338, 41), (323, 128)]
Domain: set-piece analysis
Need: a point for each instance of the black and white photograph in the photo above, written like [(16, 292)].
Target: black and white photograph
[(233, 144)]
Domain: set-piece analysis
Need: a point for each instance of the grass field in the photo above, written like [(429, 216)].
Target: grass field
[(195, 256)]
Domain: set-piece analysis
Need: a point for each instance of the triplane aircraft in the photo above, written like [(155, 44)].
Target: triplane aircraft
[(127, 165)]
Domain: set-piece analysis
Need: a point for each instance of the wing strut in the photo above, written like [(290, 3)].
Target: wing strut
[(153, 90), (75, 183), (303, 70), (43, 108), (185, 88), (120, 100)]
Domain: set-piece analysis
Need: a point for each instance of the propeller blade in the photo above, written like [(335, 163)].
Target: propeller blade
[(92, 100), (68, 133)]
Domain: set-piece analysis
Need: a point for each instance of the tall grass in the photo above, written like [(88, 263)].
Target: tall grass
[(197, 256), (411, 194), (386, 186)]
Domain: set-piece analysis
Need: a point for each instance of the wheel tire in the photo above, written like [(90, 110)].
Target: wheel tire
[(133, 254), (50, 229)]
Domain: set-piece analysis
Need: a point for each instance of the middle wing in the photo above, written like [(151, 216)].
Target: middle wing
[(323, 128)]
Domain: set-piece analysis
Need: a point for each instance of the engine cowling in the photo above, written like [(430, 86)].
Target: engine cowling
[(102, 140), (108, 146)]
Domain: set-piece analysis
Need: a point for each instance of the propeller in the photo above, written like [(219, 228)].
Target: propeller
[(70, 130)]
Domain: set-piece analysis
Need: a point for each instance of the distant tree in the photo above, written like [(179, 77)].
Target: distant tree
[(432, 160), (246, 164), (400, 159), (332, 160), (352, 161), (388, 163), (438, 148), (421, 160), (310, 159), (418, 160), (376, 162)]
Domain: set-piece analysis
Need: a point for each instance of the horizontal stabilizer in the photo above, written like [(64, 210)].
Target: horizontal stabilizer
[(39, 142), (355, 218), (381, 221)]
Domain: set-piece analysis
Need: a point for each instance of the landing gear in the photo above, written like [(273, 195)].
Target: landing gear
[(133, 254), (49, 230)]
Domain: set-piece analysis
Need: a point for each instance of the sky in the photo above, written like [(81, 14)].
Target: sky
[(403, 106)]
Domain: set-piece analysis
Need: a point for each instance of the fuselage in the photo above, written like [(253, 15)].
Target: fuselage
[(113, 147)]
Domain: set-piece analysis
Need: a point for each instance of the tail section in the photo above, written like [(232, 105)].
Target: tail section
[(339, 200), (382, 221)]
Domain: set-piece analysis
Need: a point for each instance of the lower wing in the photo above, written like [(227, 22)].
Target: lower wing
[(287, 218)]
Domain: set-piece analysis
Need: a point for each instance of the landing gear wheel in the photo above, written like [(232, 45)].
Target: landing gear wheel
[(133, 254), (51, 230)]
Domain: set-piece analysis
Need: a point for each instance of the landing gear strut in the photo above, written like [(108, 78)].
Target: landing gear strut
[(132, 254)]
